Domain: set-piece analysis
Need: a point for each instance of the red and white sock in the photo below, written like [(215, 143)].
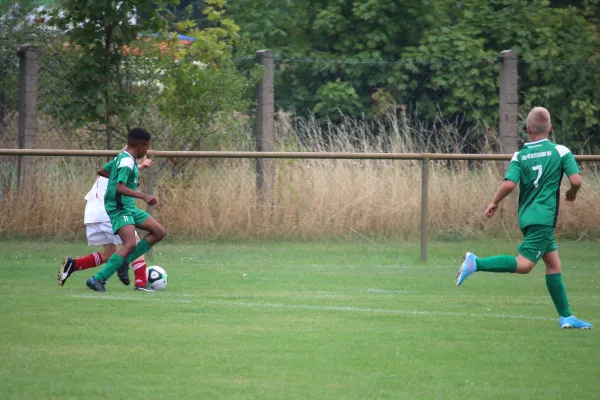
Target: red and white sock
[(139, 271), (89, 261)]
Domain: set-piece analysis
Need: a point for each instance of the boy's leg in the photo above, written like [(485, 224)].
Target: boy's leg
[(555, 285), (70, 265), (127, 235), (98, 234), (471, 264), (122, 222), (535, 242), (90, 261), (123, 271), (155, 234), (139, 268), (109, 250), (558, 293)]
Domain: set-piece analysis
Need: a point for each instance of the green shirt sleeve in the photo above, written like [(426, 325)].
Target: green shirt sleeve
[(109, 165), (123, 174), (514, 170), (569, 165)]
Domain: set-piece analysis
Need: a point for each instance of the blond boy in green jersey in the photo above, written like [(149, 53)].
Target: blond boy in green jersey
[(538, 169)]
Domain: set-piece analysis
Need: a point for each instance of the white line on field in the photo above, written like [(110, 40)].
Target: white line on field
[(109, 297), (317, 308), (421, 267), (379, 311), (373, 290)]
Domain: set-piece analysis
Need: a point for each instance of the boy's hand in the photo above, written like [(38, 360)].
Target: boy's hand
[(571, 195), (150, 200), (491, 210), (147, 163)]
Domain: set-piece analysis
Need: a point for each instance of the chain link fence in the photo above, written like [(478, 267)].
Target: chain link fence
[(321, 105)]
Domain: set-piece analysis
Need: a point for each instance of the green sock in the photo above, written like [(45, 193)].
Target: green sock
[(558, 293), (497, 264), (113, 264), (141, 248)]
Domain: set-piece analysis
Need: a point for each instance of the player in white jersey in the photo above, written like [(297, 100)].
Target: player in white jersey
[(99, 232)]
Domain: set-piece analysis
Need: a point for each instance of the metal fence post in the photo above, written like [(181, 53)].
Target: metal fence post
[(265, 114), (424, 206), (149, 190), (28, 71)]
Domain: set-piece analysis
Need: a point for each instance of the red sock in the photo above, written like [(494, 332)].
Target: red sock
[(139, 271), (89, 261)]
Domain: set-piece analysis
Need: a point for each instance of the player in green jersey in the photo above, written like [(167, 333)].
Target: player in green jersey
[(538, 169), (123, 175)]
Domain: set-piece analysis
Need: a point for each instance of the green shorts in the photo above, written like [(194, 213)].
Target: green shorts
[(539, 240), (120, 218)]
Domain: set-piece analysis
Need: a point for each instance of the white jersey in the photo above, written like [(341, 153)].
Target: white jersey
[(94, 207)]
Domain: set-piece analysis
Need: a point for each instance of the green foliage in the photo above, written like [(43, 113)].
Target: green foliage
[(337, 97), (122, 73), (334, 31), (438, 57), (205, 82), (16, 29), (278, 24), (556, 47), (99, 35)]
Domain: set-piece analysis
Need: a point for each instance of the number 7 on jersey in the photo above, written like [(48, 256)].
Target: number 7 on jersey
[(537, 168)]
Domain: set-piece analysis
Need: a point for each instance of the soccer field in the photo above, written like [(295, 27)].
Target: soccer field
[(278, 320)]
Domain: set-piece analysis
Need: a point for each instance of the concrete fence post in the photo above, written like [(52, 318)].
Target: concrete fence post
[(265, 114), (508, 128), (509, 101), (28, 71)]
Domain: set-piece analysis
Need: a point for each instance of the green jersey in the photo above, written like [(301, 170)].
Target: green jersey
[(538, 168), (122, 169)]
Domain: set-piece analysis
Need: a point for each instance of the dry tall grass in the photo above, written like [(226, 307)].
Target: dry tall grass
[(311, 199)]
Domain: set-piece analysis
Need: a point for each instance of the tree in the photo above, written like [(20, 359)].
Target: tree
[(16, 29), (438, 57), (102, 35), (204, 83), (349, 36), (558, 69)]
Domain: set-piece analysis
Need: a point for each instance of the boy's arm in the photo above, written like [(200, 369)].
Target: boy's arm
[(504, 190), (571, 169), (513, 175), (103, 173), (125, 191), (146, 163), (575, 181)]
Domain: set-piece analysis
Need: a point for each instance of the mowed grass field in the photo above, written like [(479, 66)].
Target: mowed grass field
[(311, 320)]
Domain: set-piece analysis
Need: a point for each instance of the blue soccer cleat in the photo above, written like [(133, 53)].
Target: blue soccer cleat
[(468, 266), (572, 322)]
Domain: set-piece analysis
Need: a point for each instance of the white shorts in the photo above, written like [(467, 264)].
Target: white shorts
[(101, 233)]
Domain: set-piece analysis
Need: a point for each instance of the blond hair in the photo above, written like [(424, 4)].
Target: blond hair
[(538, 121)]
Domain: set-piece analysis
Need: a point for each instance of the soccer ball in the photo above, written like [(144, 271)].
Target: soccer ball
[(157, 277)]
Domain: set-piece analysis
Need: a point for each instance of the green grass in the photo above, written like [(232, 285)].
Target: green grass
[(275, 320)]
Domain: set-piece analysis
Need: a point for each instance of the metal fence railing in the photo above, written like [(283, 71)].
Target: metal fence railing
[(425, 159)]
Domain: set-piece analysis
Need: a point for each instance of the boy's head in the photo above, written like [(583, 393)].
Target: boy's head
[(138, 142), (538, 123)]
